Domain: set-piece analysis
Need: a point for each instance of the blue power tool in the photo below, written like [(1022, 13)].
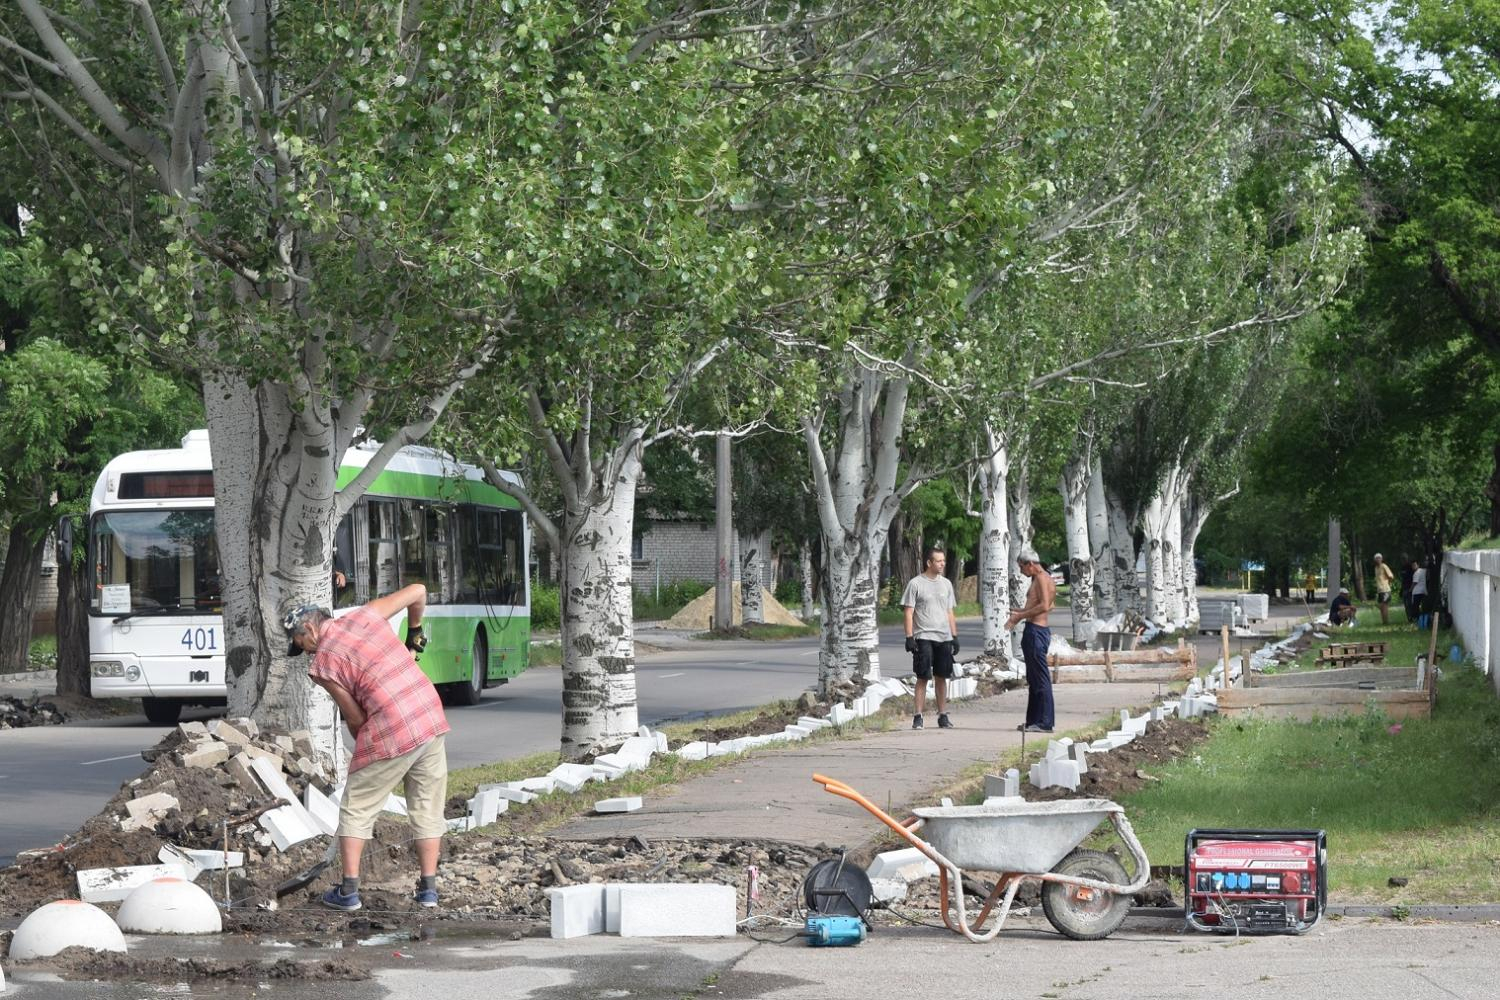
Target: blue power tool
[(833, 931)]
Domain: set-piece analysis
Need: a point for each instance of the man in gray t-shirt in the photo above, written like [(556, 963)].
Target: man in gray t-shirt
[(931, 632)]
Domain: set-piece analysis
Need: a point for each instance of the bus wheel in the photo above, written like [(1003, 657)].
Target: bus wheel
[(162, 711), (469, 692)]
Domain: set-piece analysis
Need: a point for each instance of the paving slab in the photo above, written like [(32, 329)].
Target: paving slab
[(772, 794)]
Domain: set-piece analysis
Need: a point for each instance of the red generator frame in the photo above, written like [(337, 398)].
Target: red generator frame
[(1255, 881)]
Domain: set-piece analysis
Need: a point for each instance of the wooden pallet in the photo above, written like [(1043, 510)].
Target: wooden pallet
[(1345, 653)]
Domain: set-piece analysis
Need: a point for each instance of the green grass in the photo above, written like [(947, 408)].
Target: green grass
[(42, 653), (762, 631), (1403, 643), (1418, 802), (545, 654), (1476, 541)]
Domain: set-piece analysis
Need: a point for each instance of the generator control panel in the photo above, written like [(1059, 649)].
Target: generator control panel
[(1255, 881)]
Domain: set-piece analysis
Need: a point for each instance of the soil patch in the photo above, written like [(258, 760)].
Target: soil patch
[(1128, 768), (698, 611), (80, 963), (18, 713)]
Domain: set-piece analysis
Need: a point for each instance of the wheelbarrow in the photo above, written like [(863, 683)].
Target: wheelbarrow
[(1086, 894)]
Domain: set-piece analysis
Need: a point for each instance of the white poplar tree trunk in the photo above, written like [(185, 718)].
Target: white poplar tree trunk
[(752, 604), (1104, 571), (855, 475), (808, 609), (1122, 554), (1020, 540), (995, 549), (1074, 486), (1172, 555), (1163, 595), (1195, 512)]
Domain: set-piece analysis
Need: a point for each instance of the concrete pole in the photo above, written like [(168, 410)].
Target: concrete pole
[(724, 536), (1335, 558)]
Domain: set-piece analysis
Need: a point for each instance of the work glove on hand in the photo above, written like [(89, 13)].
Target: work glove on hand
[(953, 646), (416, 639), (911, 644)]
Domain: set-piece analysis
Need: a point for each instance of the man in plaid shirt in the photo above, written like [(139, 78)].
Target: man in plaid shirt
[(397, 721)]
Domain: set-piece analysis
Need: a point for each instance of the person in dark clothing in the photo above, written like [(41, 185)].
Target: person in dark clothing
[(1408, 569), (1341, 610), (1035, 641)]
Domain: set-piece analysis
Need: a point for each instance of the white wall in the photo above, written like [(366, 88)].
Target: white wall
[(1471, 581)]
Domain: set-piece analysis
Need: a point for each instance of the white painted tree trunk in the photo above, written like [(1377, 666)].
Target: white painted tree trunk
[(1176, 579), (1074, 486), (752, 604), (1163, 595), (995, 549), (1020, 540), (274, 509), (1104, 571), (808, 609), (858, 493), (1122, 554), (1195, 512)]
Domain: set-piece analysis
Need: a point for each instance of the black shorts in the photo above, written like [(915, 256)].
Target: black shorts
[(1383, 596), (932, 657)]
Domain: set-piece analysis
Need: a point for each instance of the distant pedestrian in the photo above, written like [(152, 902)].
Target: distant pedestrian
[(1310, 584), (1035, 642), (1419, 595), (1383, 580), (931, 632), (1341, 610), (398, 724), (1408, 572)]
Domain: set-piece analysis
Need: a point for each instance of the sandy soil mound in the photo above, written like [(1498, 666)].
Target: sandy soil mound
[(696, 615)]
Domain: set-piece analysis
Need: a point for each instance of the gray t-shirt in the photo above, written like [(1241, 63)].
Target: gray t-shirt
[(931, 598)]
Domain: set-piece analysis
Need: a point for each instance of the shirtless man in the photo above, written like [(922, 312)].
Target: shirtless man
[(1035, 641)]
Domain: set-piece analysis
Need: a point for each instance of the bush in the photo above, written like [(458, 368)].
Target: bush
[(789, 593), (545, 604), (673, 597)]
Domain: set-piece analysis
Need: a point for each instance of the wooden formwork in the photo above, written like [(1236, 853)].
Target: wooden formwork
[(1307, 703), (1178, 664)]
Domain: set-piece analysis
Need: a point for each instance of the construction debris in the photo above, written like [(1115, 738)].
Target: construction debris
[(18, 713)]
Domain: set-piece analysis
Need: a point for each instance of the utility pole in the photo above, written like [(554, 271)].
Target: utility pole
[(1335, 559), (724, 536)]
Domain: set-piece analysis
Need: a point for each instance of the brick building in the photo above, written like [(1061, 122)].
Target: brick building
[(672, 551)]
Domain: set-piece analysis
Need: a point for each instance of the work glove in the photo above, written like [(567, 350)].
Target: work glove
[(911, 644), (416, 639), (953, 646)]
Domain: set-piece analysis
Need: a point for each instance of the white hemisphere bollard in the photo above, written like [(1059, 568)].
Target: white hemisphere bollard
[(67, 923), (169, 906)]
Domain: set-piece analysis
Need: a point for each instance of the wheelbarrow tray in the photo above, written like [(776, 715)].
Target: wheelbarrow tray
[(1012, 836)]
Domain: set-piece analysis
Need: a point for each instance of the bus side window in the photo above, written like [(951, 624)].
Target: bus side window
[(414, 544), (384, 571), (343, 562), (440, 576), (514, 557), (469, 569), (490, 556)]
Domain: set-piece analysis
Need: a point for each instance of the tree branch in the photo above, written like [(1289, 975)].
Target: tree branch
[(538, 516), (550, 445), (159, 49)]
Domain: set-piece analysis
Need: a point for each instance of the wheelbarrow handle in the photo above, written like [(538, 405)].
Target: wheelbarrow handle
[(903, 828)]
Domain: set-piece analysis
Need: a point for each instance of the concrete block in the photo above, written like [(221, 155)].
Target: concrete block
[(1079, 754), (1058, 749), (641, 747), (628, 804), (1050, 773), (539, 785), (461, 824), (238, 767), (888, 890), (246, 725), (661, 742), (693, 751), (323, 810), (193, 730), (908, 864), (222, 730), (677, 910), (1157, 714), (841, 715), (621, 762), (148, 809), (571, 777), (1169, 707), (1121, 736), (209, 753), (289, 825), (111, 885), (1004, 786), (577, 910), (509, 791), (486, 807), (797, 732), (196, 861), (270, 776), (612, 906), (1102, 745), (813, 722)]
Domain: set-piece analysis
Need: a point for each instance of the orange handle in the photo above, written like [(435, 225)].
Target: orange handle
[(836, 787)]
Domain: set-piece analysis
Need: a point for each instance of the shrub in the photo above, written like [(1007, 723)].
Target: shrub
[(545, 604)]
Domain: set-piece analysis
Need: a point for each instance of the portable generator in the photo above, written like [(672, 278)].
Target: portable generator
[(1255, 881)]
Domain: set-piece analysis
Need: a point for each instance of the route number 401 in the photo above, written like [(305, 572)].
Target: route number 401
[(199, 638)]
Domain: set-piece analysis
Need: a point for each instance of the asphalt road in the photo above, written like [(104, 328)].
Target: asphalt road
[(52, 778)]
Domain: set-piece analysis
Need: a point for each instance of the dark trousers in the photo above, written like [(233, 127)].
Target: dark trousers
[(1035, 641)]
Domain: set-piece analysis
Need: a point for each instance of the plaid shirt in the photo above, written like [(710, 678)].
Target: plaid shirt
[(360, 653)]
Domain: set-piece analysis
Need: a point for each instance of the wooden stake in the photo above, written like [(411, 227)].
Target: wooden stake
[(1432, 654), (1224, 645)]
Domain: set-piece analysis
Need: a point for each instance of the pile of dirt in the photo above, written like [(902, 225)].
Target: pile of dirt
[(696, 615), (1128, 768), (18, 713), (81, 963)]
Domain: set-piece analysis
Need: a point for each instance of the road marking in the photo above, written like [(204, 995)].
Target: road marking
[(810, 652), (665, 677), (106, 760)]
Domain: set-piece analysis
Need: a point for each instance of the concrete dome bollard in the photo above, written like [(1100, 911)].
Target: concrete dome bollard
[(169, 906), (67, 923)]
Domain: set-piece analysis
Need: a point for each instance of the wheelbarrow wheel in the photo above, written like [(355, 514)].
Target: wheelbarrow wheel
[(1079, 912)]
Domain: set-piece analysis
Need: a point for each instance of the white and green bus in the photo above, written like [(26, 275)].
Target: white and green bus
[(156, 630)]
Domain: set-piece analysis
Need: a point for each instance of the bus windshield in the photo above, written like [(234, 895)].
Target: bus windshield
[(145, 560)]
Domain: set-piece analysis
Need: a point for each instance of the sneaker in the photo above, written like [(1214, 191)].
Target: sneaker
[(426, 897), (944, 722), (916, 721), (1033, 728), (336, 900)]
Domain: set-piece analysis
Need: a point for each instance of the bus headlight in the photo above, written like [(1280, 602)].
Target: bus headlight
[(132, 673), (109, 668)]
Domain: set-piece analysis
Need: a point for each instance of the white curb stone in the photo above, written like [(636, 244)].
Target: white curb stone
[(1050, 773), (841, 715), (110, 885), (169, 906), (66, 923), (323, 810), (888, 890), (908, 864), (813, 722), (1080, 756), (577, 910), (627, 804), (693, 751), (677, 910)]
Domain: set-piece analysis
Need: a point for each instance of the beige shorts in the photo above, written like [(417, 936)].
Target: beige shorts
[(425, 771)]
